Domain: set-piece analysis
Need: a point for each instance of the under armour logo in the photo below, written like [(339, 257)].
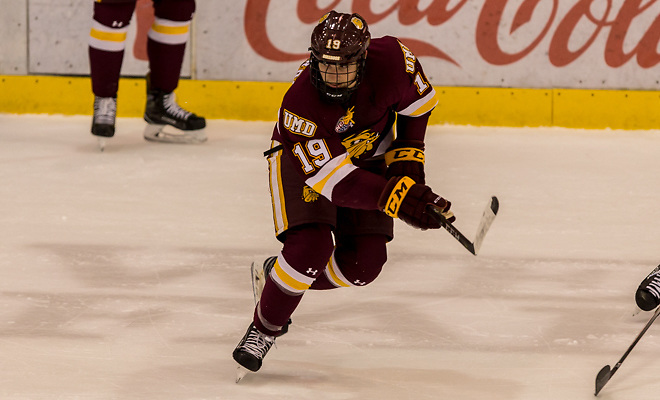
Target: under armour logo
[(311, 271), (358, 282)]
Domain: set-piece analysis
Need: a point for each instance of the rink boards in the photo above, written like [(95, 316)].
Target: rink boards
[(259, 101)]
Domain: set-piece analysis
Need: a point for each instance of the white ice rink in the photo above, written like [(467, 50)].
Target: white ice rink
[(125, 274)]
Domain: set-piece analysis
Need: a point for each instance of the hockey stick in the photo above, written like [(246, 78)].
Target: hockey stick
[(605, 374), (484, 225)]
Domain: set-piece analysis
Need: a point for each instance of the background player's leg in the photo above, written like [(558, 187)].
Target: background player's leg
[(166, 46), (167, 40), (107, 41)]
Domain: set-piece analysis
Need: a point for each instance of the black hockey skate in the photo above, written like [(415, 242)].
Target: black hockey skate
[(647, 296), (252, 349), (105, 112), (162, 110)]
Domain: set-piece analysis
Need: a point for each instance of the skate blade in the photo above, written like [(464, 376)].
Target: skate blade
[(157, 133), (240, 373), (258, 280)]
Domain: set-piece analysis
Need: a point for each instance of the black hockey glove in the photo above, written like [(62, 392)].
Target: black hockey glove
[(406, 158), (404, 199)]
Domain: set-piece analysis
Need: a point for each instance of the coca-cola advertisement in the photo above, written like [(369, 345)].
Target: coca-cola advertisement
[(499, 43), (598, 44)]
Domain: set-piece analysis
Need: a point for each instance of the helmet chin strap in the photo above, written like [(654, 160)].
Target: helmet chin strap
[(338, 98)]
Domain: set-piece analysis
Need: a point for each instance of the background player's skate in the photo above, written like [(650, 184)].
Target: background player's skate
[(169, 123), (103, 122)]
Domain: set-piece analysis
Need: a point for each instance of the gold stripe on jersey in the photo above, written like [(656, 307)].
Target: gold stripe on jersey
[(288, 278), (334, 275), (331, 174), (276, 190), (105, 38), (421, 106), (169, 32)]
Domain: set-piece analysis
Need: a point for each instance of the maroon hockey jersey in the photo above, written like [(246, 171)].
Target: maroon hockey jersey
[(332, 143)]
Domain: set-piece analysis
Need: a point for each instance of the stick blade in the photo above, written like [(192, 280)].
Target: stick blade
[(486, 221), (602, 378), (494, 205)]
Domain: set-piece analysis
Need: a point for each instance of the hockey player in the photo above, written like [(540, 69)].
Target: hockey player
[(647, 295), (338, 176), (165, 48)]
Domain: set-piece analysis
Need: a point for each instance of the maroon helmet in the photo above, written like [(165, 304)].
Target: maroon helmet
[(338, 53)]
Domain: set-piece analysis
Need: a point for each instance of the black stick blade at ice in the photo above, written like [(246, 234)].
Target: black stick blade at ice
[(602, 378), (605, 374), (494, 205)]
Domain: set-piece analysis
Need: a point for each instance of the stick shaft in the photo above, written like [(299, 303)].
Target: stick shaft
[(604, 376), (484, 225), (634, 343), (436, 212)]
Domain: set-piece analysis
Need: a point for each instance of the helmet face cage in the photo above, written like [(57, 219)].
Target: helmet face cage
[(336, 81), (338, 54)]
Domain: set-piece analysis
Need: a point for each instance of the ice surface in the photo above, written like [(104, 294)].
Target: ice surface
[(125, 274)]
